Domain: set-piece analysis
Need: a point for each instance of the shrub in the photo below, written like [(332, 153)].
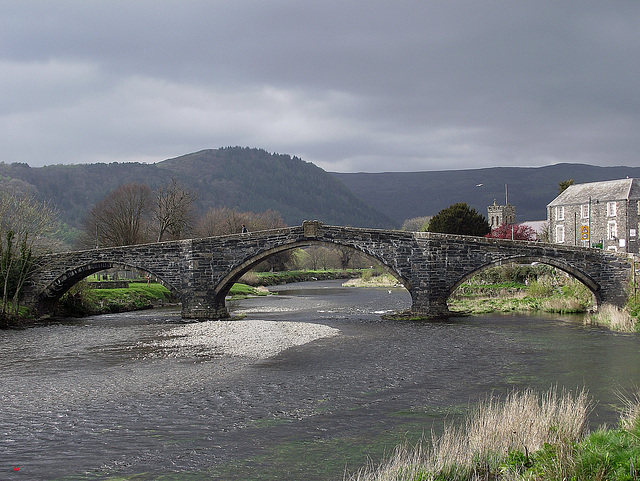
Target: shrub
[(250, 278), (541, 287)]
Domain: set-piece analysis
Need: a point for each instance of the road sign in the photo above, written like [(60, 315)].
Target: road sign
[(584, 232)]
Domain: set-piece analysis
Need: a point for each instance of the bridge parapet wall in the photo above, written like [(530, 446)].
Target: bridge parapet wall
[(431, 266)]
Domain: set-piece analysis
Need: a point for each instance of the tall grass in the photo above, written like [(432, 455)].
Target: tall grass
[(497, 441), (526, 437), (612, 317)]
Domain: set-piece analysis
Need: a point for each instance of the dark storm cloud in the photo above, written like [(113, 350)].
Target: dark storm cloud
[(351, 86)]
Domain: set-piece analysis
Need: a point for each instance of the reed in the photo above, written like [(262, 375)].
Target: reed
[(612, 317), (496, 441)]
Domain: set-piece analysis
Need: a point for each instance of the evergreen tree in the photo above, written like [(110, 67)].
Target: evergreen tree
[(459, 219), (563, 185)]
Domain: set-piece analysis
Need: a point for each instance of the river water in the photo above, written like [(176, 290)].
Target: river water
[(99, 398)]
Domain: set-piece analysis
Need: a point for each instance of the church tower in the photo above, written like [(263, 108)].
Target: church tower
[(501, 214)]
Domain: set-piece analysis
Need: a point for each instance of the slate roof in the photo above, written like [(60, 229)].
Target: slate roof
[(608, 190)]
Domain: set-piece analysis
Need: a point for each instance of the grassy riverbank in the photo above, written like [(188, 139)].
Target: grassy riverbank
[(526, 289), (83, 300), (529, 436), (558, 294)]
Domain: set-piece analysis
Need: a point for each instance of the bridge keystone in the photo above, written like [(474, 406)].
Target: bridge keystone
[(311, 228)]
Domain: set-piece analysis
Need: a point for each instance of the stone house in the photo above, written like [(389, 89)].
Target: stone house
[(598, 214)]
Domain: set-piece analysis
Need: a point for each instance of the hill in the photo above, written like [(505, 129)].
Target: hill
[(404, 195), (256, 180), (247, 179)]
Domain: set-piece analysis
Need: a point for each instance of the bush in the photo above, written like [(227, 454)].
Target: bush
[(250, 278), (613, 318), (542, 287)]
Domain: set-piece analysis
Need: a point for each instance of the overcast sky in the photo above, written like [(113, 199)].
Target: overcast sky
[(350, 85)]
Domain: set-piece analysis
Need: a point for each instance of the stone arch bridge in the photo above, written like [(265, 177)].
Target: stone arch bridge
[(200, 272)]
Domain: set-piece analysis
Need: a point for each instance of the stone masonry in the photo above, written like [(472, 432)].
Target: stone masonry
[(200, 272)]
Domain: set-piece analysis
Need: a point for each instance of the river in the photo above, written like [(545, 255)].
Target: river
[(102, 398)]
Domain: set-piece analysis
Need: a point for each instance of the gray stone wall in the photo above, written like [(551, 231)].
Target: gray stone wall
[(571, 218), (200, 272)]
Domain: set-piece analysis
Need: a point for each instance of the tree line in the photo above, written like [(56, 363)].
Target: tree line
[(461, 219), (134, 214)]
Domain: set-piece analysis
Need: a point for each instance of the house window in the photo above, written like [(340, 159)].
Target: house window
[(611, 209), (584, 211), (559, 234), (612, 230), (560, 212)]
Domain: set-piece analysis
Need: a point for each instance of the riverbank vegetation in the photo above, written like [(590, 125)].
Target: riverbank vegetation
[(26, 227), (521, 288), (84, 300), (528, 436), (526, 288)]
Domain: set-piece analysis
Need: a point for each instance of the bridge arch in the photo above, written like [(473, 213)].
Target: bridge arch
[(65, 281), (576, 273), (245, 265)]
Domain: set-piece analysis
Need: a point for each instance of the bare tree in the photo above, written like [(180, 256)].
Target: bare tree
[(121, 218), (223, 221), (315, 257), (173, 211), (345, 254), (417, 224), (268, 219), (220, 221), (25, 226)]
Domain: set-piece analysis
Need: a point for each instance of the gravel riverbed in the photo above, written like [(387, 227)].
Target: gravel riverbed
[(256, 339)]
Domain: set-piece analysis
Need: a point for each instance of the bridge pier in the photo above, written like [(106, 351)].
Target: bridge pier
[(203, 309), (426, 306)]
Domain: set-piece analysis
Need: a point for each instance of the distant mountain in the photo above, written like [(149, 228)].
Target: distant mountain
[(247, 179), (256, 180), (405, 195)]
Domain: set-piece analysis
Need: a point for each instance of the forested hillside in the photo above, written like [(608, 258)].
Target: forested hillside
[(243, 178), (404, 195), (255, 180)]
